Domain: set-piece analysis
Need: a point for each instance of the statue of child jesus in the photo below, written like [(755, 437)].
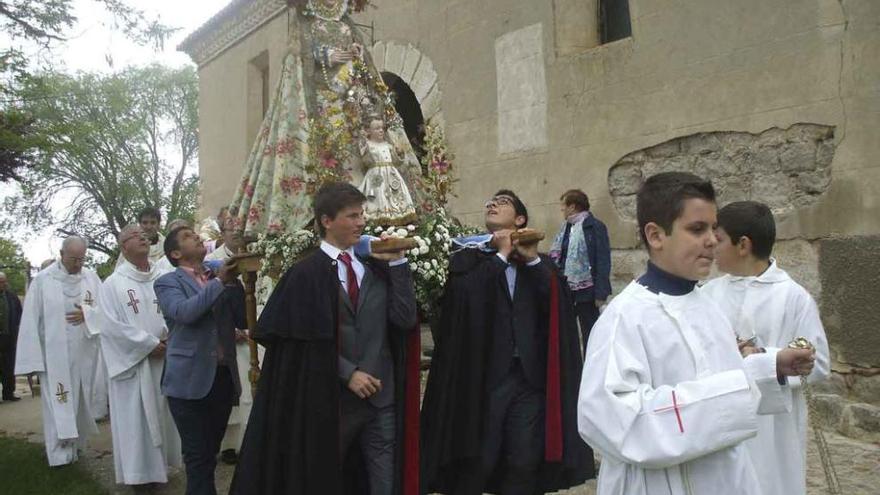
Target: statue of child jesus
[(388, 198)]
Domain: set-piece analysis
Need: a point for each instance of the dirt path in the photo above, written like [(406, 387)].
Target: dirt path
[(857, 463)]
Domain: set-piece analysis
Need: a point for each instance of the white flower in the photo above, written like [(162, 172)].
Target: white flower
[(378, 229), (423, 249), (434, 262), (411, 228)]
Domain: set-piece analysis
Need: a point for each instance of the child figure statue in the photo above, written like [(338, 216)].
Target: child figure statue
[(388, 198)]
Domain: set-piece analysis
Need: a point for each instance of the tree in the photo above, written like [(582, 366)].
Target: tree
[(14, 265), (44, 24), (112, 145)]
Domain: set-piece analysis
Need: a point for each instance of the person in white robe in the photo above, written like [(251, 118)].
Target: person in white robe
[(56, 343), (132, 330), (238, 418), (666, 398), (763, 303)]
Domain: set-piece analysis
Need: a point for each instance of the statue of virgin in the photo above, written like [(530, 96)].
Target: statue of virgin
[(312, 131)]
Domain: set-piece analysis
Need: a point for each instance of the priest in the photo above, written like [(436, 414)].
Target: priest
[(133, 333), (499, 413), (337, 403), (57, 343)]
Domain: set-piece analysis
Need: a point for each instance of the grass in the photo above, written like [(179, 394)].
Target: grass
[(24, 471)]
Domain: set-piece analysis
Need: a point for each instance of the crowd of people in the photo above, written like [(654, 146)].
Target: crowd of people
[(675, 386)]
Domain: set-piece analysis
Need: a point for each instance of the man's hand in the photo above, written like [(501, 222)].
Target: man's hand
[(795, 362), (227, 271), (240, 336), (526, 252), (75, 317), (387, 256), (363, 384), (501, 241), (159, 350)]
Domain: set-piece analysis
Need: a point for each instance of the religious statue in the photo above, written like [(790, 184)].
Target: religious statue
[(313, 130), (388, 198)]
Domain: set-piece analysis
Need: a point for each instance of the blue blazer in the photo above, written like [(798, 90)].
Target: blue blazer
[(194, 333)]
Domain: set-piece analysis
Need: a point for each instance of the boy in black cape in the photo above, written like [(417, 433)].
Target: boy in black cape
[(336, 409), (499, 413)]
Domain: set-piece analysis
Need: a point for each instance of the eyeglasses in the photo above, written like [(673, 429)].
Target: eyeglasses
[(135, 236), (75, 260), (499, 201)]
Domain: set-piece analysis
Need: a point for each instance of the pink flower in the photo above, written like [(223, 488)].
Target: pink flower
[(328, 161), (253, 215), (291, 185), (249, 191), (440, 166)]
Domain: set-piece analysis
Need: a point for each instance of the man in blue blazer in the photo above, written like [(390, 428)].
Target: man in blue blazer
[(583, 253), (202, 309)]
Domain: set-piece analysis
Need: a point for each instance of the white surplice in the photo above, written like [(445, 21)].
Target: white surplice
[(667, 400), (145, 440), (238, 418), (776, 310), (63, 355)]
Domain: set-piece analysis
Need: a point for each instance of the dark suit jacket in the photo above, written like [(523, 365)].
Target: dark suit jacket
[(520, 322), (386, 302), (198, 321), (13, 303)]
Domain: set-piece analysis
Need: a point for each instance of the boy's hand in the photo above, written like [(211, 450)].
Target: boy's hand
[(501, 241), (363, 384), (526, 252), (388, 256), (795, 362)]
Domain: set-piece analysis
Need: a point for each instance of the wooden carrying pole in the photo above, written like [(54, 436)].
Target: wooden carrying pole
[(248, 265)]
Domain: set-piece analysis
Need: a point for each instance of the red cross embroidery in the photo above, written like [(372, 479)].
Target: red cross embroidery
[(674, 407), (132, 301)]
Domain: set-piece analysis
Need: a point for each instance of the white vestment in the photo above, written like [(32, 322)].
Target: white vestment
[(145, 439), (776, 310), (667, 400), (238, 418), (63, 355)]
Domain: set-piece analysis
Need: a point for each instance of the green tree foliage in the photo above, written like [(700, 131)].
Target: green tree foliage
[(43, 25), (14, 265), (112, 145)]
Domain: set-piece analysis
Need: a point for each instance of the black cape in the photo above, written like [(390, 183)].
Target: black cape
[(291, 445), (453, 407)]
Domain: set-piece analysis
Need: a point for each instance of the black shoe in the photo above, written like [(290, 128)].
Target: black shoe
[(11, 398), (229, 456)]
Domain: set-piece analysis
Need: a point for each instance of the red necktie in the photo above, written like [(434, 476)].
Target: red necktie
[(345, 258)]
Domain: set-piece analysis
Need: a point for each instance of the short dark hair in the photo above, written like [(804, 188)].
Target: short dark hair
[(334, 197), (576, 197), (661, 198), (149, 211), (753, 220), (172, 243), (518, 206)]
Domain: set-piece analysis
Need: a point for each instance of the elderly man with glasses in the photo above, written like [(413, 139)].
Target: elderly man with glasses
[(58, 341), (499, 409)]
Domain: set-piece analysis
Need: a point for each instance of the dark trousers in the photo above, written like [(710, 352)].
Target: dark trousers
[(514, 434), (202, 424), (7, 365), (372, 430), (587, 314)]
